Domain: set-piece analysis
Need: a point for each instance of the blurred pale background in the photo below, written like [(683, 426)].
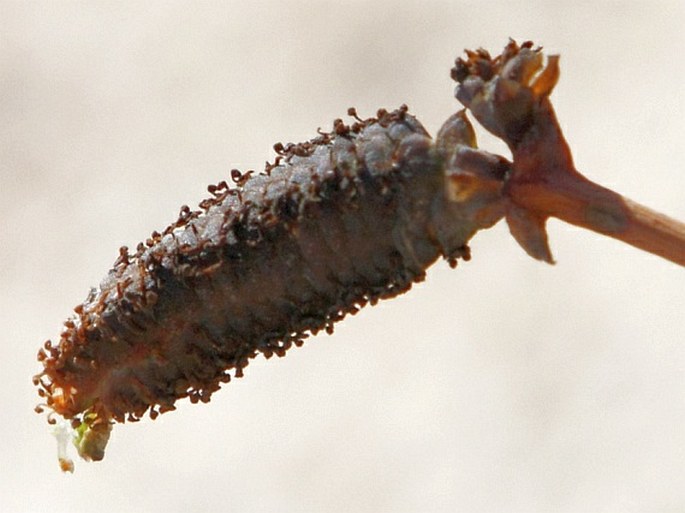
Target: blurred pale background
[(504, 385)]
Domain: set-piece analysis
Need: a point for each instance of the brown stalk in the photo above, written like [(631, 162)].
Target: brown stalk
[(551, 186), (507, 97), (573, 198)]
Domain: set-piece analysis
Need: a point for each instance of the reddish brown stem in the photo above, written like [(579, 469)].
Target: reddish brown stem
[(509, 95), (545, 183), (576, 200)]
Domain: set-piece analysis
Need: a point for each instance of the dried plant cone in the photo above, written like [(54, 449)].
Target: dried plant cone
[(350, 217)]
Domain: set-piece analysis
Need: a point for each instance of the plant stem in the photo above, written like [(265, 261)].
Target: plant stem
[(573, 198), (545, 183), (509, 96)]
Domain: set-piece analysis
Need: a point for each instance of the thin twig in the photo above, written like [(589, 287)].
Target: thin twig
[(509, 95), (586, 204)]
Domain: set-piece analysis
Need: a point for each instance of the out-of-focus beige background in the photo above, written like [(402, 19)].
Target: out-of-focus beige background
[(504, 385)]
